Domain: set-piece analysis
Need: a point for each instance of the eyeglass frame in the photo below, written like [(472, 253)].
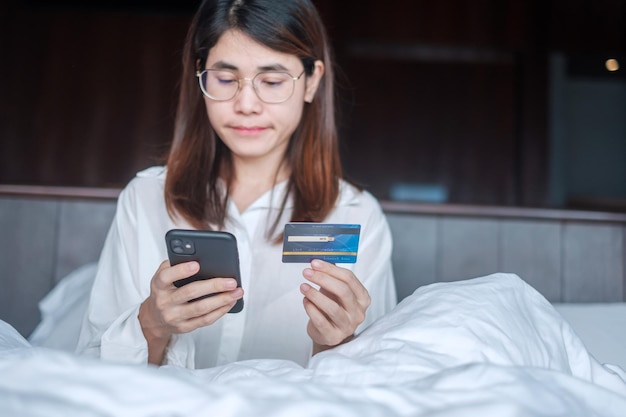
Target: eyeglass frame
[(240, 85)]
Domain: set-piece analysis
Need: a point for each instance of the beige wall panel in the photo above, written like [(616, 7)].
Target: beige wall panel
[(82, 230), (414, 251), (27, 256), (593, 265), (532, 250), (468, 248)]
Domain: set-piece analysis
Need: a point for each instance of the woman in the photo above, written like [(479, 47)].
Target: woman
[(255, 146)]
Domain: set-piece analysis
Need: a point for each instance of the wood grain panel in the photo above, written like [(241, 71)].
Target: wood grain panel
[(593, 266), (532, 250), (414, 251), (476, 22), (393, 128), (468, 248), (27, 256), (95, 104), (83, 226)]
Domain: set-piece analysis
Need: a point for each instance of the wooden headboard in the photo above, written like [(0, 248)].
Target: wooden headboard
[(568, 256)]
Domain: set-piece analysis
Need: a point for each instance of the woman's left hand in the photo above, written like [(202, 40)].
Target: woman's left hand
[(337, 308)]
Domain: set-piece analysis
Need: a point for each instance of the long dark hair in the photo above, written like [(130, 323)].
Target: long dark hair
[(198, 157)]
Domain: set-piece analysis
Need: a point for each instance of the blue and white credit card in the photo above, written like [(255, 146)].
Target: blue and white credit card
[(336, 243)]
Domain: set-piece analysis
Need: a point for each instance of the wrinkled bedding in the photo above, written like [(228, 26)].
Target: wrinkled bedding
[(486, 346)]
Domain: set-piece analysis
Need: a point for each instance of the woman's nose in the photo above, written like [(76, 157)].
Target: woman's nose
[(246, 100)]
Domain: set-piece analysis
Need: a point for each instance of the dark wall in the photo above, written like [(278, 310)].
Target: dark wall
[(89, 94), (433, 92), (438, 98)]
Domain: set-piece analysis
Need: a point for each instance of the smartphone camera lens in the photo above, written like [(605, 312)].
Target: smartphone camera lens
[(182, 247)]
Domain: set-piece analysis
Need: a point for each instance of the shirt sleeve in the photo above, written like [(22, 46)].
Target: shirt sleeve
[(111, 328)]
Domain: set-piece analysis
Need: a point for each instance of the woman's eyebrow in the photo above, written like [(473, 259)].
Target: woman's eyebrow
[(274, 67), (226, 65)]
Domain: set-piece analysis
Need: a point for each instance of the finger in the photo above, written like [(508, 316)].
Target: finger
[(183, 318), (342, 274), (321, 330), (203, 287), (330, 308), (332, 269), (333, 288), (205, 319), (346, 295), (206, 305), (317, 318), (166, 274)]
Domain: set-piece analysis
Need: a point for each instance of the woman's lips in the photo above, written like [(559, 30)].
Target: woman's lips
[(249, 130)]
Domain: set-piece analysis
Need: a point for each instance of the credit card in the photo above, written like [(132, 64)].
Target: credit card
[(336, 243)]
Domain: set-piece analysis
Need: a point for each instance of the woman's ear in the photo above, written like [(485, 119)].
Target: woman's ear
[(313, 81)]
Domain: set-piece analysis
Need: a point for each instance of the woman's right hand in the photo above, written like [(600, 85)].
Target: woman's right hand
[(167, 309)]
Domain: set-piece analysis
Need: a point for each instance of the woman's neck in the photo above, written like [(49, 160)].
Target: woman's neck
[(252, 179)]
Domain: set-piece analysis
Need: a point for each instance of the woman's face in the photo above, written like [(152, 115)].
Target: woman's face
[(251, 128)]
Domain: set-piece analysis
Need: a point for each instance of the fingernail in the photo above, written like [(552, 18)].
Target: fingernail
[(304, 287), (192, 266), (307, 272), (230, 284), (238, 293), (316, 263)]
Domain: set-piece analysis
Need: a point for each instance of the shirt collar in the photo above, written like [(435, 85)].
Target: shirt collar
[(348, 196)]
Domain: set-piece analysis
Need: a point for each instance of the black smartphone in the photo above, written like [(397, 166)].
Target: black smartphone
[(216, 252)]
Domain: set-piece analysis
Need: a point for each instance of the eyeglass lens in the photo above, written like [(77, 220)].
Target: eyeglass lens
[(270, 87)]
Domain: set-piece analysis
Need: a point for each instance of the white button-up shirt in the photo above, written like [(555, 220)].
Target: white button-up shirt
[(273, 322)]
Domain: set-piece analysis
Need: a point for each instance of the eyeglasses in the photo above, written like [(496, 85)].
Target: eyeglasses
[(270, 86)]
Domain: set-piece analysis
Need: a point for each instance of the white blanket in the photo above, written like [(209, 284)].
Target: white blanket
[(482, 347)]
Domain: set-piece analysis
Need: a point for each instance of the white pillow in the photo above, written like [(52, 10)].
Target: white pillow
[(62, 310), (497, 319), (10, 339)]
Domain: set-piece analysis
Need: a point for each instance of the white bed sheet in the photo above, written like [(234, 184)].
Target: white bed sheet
[(488, 346), (602, 328)]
